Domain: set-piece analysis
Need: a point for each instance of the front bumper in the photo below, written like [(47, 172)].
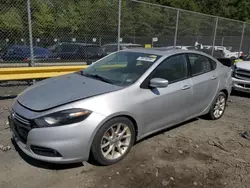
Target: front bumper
[(72, 141), (241, 85)]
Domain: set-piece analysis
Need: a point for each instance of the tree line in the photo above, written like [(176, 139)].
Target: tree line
[(79, 18)]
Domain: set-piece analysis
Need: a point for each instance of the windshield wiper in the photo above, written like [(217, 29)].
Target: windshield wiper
[(98, 77)]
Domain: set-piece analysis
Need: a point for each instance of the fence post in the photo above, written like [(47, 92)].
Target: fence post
[(119, 24), (222, 41), (176, 27), (197, 39), (242, 37), (31, 63), (100, 41), (215, 31)]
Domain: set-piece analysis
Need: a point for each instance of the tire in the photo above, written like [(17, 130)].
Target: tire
[(115, 144), (220, 105)]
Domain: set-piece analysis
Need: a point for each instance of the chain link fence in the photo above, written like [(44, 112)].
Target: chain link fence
[(142, 23), (63, 32), (195, 27)]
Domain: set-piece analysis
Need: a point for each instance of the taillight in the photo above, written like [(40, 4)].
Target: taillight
[(26, 59)]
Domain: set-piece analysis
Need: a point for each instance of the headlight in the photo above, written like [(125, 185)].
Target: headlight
[(233, 68), (63, 117)]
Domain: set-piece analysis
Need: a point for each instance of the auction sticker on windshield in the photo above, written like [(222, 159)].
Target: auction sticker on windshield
[(149, 59)]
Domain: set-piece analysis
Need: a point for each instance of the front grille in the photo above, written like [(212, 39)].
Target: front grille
[(22, 133), (22, 126), (247, 86), (242, 74), (21, 119)]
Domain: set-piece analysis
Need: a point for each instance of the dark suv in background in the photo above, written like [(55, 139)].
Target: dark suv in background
[(77, 51)]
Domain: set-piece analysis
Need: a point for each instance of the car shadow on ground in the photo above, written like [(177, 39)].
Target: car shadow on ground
[(52, 166), (42, 164), (240, 94)]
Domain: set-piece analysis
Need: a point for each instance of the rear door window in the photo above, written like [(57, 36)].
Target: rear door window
[(199, 64), (110, 48), (67, 48), (93, 50), (15, 51)]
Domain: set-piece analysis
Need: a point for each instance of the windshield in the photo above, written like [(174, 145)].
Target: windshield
[(110, 48), (121, 68), (67, 48)]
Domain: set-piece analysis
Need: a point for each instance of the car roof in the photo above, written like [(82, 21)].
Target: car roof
[(122, 44), (25, 47), (76, 43), (162, 51)]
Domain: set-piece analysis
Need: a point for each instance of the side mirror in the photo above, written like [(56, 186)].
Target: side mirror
[(158, 83)]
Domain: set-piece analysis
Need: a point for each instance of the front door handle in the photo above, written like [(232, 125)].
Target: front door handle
[(186, 87), (214, 77)]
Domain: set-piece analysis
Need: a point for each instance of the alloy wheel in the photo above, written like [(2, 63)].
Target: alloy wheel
[(219, 106), (116, 141)]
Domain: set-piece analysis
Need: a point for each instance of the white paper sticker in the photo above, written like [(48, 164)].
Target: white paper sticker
[(149, 59), (155, 39)]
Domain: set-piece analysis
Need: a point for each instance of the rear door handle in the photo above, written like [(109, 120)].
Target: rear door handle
[(186, 87), (214, 77)]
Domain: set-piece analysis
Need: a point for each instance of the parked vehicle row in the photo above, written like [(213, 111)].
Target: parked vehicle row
[(69, 51), (62, 51)]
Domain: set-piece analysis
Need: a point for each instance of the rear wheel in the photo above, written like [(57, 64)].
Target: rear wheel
[(218, 107), (113, 141)]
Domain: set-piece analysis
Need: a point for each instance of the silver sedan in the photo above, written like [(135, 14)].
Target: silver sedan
[(103, 110)]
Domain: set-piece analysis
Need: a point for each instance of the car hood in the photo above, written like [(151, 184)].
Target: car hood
[(243, 65), (60, 90)]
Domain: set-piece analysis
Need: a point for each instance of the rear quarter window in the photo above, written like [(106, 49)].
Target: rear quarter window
[(68, 48), (200, 64), (110, 48), (16, 51), (213, 64)]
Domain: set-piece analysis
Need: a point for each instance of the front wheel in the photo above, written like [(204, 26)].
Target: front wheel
[(113, 141), (218, 107)]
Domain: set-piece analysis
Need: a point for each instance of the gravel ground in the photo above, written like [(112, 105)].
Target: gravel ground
[(198, 153)]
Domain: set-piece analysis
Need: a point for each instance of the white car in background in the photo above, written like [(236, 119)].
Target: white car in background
[(227, 53), (241, 75), (110, 48), (177, 47)]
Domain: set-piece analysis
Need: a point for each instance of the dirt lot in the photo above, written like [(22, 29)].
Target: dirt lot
[(199, 153)]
